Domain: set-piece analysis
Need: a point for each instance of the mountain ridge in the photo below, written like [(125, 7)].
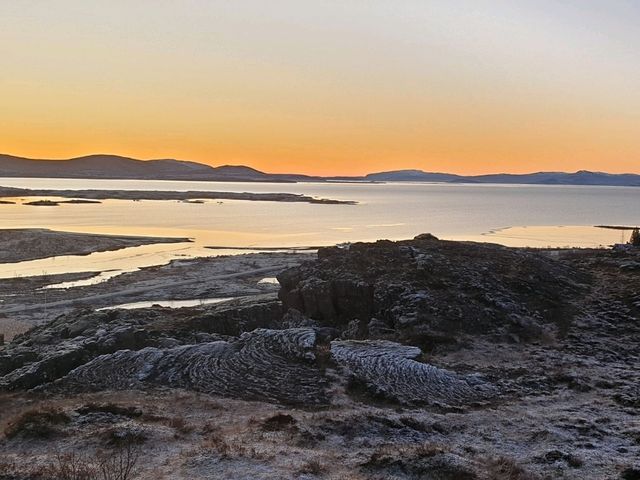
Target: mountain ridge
[(108, 166)]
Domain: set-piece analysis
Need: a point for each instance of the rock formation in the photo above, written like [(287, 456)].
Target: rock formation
[(426, 291), (391, 371), (271, 365), (51, 350)]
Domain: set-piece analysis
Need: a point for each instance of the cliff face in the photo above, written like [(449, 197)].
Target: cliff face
[(427, 290)]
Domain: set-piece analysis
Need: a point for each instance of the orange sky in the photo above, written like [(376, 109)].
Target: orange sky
[(326, 87)]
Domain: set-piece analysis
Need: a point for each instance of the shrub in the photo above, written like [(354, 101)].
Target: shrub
[(279, 422), (631, 474), (180, 425), (112, 408), (312, 467), (121, 463), (503, 468), (124, 436), (223, 448), (420, 461), (42, 423), (69, 466)]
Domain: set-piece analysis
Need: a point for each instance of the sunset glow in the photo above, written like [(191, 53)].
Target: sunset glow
[(326, 87)]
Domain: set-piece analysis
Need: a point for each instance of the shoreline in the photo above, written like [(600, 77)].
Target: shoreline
[(179, 279), (28, 302), (553, 236), (269, 249), (615, 227), (27, 244)]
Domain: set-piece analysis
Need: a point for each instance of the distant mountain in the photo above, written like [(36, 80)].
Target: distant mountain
[(411, 176), (117, 167), (582, 177)]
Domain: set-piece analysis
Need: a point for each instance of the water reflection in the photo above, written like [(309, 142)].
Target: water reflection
[(168, 303), (391, 211)]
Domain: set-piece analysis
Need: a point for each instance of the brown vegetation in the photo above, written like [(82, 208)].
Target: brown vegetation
[(39, 423)]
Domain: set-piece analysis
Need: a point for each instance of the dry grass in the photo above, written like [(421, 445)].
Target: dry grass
[(502, 468), (120, 463), (37, 423), (184, 439), (123, 436), (235, 447), (394, 451), (9, 468), (313, 467), (180, 425)]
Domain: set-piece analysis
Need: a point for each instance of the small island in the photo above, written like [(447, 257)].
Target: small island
[(55, 203)]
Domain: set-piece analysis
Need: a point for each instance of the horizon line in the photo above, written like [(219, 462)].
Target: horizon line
[(406, 169)]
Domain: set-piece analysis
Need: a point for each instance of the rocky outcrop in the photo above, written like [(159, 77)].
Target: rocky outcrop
[(397, 297), (427, 291), (488, 408), (390, 371), (109, 351), (278, 366), (52, 350), (272, 365)]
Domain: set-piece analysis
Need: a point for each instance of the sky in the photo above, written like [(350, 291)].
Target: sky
[(326, 87)]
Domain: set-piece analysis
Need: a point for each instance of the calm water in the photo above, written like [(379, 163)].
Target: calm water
[(391, 210), (168, 303)]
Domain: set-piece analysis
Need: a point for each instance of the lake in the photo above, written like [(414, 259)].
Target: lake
[(515, 215)]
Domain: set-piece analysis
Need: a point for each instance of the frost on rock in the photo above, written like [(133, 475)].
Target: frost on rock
[(390, 370), (272, 365)]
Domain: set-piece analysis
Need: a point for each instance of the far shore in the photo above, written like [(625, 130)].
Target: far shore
[(10, 192)]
